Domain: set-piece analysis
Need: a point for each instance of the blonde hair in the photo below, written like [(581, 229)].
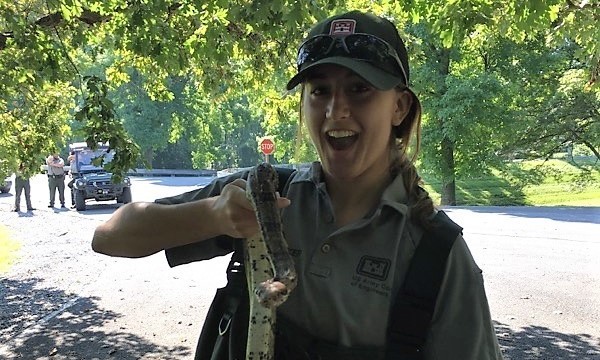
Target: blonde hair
[(402, 163)]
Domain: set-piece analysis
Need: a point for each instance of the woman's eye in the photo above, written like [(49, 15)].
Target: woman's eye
[(361, 87), (318, 90)]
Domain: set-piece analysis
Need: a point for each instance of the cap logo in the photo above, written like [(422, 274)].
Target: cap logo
[(342, 27)]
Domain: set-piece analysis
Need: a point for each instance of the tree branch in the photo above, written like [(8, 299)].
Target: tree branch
[(583, 5), (53, 20)]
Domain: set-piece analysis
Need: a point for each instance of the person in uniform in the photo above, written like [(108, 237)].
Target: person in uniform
[(22, 185), (56, 178), (352, 220)]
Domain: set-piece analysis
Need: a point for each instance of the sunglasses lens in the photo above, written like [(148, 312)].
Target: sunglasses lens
[(314, 49), (367, 47), (358, 46), (375, 50)]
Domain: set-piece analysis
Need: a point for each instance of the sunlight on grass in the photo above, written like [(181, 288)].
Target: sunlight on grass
[(8, 250), (534, 183)]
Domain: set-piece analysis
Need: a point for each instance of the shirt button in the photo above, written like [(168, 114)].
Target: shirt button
[(325, 248)]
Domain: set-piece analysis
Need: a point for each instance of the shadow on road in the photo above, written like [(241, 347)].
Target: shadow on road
[(97, 208), (37, 322), (538, 342)]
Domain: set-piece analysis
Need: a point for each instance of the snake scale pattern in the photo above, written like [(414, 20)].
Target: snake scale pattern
[(269, 267)]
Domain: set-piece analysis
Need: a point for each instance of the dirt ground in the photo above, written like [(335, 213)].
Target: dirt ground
[(60, 300)]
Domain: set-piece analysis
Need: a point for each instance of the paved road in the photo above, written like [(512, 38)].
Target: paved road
[(59, 300)]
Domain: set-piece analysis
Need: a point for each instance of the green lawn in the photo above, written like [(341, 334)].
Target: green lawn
[(534, 183)]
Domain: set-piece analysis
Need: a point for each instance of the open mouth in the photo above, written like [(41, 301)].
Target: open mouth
[(341, 139)]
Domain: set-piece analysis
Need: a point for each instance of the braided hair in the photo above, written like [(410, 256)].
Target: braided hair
[(420, 203)]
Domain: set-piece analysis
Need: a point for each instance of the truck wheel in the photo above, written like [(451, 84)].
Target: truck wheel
[(125, 197), (79, 200)]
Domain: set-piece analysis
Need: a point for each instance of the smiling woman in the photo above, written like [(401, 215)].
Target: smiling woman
[(9, 250), (356, 223)]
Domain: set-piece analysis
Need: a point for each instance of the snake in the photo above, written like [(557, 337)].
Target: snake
[(270, 270)]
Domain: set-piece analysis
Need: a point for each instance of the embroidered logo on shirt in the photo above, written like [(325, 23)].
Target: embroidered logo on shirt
[(374, 267)]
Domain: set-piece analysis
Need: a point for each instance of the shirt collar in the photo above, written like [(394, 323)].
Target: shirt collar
[(313, 173), (394, 195), (395, 191)]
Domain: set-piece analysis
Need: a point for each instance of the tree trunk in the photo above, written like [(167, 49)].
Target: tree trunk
[(447, 145), (448, 177), (149, 155)]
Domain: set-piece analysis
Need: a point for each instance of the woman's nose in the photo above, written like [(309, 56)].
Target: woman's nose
[(338, 106)]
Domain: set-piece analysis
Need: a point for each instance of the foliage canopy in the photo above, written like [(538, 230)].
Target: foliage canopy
[(184, 65)]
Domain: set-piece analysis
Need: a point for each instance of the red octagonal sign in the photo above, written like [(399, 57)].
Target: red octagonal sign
[(267, 146)]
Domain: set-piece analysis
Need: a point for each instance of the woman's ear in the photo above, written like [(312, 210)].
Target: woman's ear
[(403, 104)]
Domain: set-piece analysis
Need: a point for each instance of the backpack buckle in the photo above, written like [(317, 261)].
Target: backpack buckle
[(224, 324)]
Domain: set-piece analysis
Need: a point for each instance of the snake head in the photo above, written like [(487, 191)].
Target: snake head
[(263, 179)]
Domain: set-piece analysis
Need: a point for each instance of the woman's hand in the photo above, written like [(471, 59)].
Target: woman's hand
[(235, 212)]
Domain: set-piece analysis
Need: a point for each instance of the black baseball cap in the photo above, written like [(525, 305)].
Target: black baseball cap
[(356, 22)]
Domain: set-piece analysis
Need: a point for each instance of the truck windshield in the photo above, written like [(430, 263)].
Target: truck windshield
[(85, 157)]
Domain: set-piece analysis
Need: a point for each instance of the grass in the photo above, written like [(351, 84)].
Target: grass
[(9, 250), (555, 182)]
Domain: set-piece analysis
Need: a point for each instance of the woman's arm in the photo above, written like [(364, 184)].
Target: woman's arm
[(143, 228)]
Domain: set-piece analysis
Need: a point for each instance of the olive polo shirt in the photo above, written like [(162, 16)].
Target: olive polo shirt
[(347, 276)]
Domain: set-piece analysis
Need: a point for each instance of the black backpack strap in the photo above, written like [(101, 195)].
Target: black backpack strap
[(220, 322), (412, 310), (284, 175)]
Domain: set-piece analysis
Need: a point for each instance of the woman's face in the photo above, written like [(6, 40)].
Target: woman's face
[(350, 122)]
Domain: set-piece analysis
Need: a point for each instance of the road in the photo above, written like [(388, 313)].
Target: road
[(59, 300)]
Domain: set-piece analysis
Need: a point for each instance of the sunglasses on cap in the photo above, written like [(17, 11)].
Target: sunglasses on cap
[(365, 47)]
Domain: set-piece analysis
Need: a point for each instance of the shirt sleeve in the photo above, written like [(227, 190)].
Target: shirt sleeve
[(207, 249), (462, 327)]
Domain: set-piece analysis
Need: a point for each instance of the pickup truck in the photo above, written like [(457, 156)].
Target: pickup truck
[(92, 182)]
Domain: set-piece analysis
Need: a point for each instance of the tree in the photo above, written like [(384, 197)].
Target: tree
[(556, 108), (34, 125), (453, 97), (215, 41), (148, 121), (238, 48), (227, 135)]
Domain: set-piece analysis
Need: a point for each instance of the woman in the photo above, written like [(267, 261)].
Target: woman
[(352, 221)]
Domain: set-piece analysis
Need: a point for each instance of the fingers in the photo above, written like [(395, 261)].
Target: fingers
[(240, 184), (237, 192), (282, 202), (236, 211)]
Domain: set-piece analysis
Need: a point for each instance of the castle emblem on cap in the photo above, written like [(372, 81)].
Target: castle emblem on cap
[(342, 27)]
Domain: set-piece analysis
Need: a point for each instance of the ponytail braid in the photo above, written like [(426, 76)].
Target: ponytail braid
[(419, 202)]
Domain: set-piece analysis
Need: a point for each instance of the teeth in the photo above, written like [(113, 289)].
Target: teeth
[(340, 133)]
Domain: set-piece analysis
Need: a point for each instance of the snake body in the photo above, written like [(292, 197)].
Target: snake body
[(269, 267)]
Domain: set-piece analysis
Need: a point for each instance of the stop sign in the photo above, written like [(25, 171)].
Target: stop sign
[(267, 146)]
